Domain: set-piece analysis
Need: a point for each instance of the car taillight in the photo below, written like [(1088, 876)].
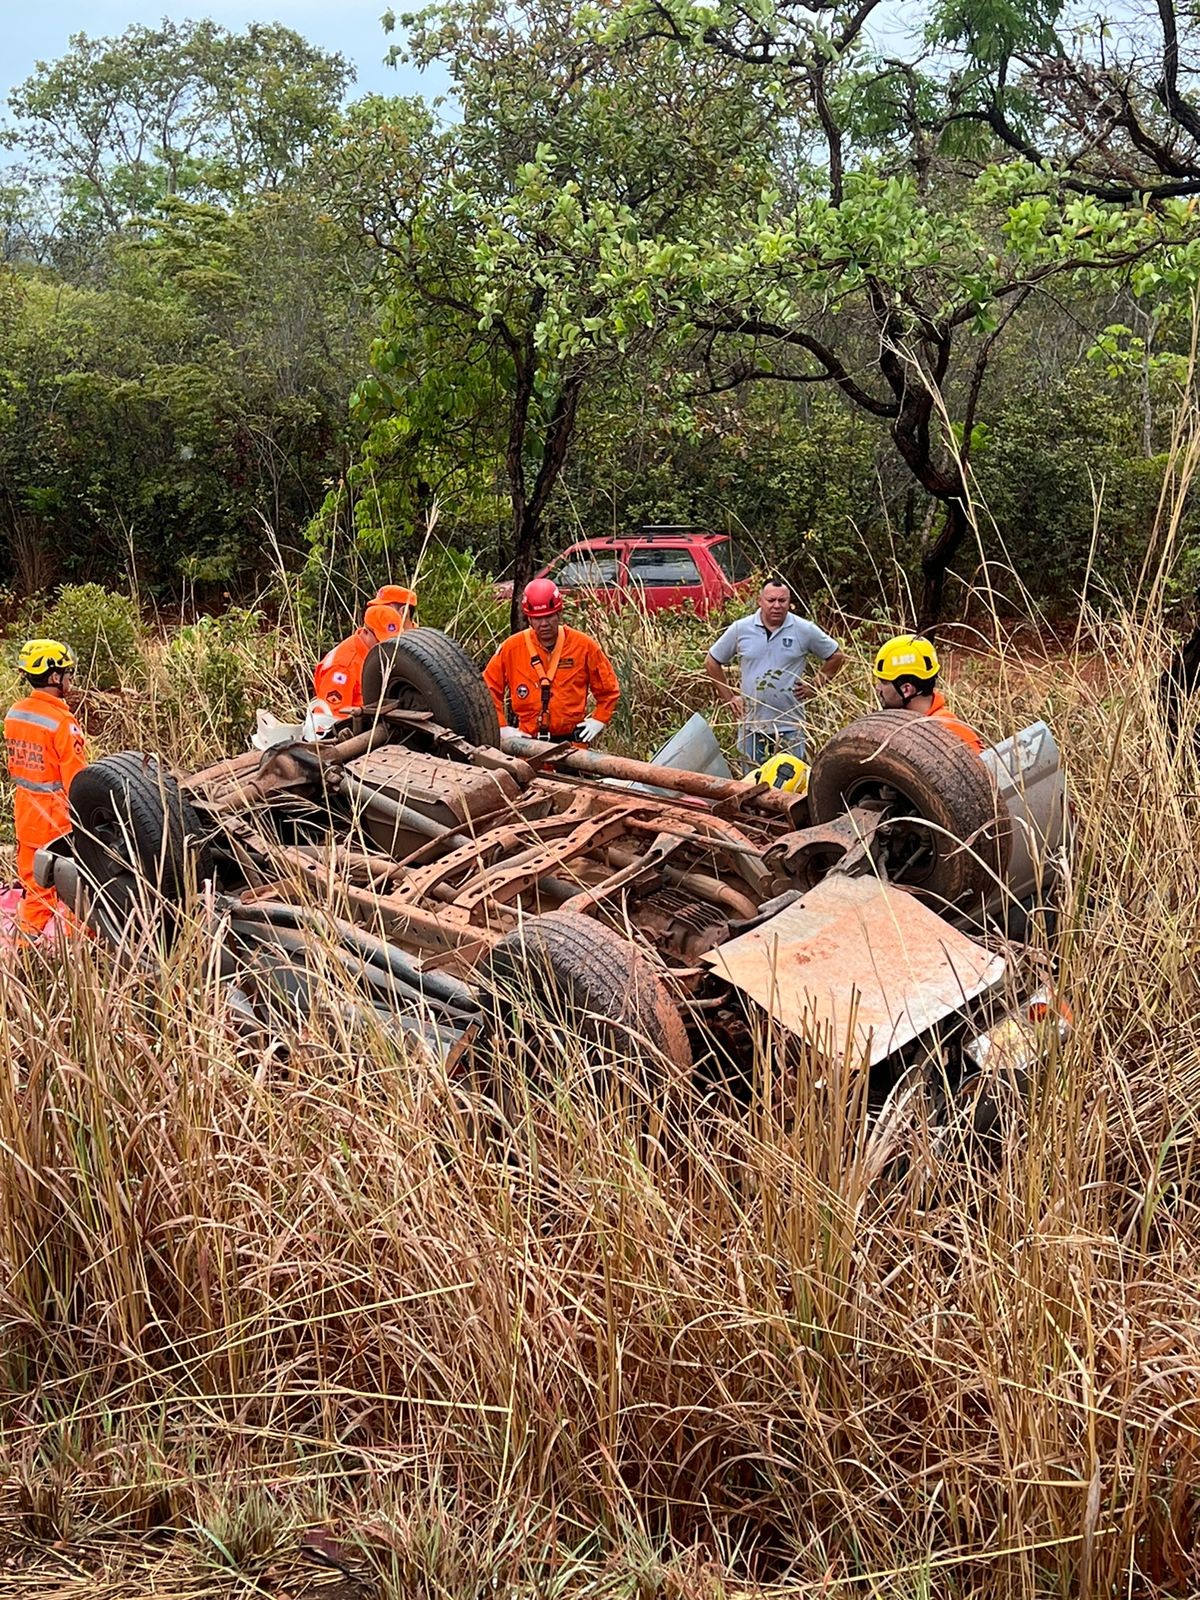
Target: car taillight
[(1019, 1039), (1042, 1006)]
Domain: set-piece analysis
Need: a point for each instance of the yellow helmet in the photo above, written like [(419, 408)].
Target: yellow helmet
[(44, 655), (908, 655), (785, 772)]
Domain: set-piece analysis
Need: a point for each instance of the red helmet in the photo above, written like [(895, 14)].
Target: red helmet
[(542, 598)]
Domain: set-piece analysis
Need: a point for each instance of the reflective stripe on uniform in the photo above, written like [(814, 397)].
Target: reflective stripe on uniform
[(34, 718), (36, 788)]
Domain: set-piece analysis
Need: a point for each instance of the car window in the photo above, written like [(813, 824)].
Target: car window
[(595, 569), (668, 568), (732, 560)]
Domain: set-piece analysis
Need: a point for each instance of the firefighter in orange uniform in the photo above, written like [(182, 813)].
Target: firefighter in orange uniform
[(906, 671), (548, 671), (45, 750), (338, 678), (404, 600)]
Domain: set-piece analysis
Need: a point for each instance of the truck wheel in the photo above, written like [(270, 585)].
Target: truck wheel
[(128, 814), (122, 909), (563, 970), (921, 771), (424, 670)]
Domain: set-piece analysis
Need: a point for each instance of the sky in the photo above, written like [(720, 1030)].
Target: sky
[(32, 32)]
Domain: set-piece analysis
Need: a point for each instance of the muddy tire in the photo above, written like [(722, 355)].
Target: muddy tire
[(424, 670), (565, 973), (924, 771), (129, 817)]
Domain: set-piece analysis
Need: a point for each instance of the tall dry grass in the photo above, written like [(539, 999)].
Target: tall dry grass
[(244, 1296)]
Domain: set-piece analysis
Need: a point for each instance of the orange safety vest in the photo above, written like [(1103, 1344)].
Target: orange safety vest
[(549, 697), (956, 725), (338, 678)]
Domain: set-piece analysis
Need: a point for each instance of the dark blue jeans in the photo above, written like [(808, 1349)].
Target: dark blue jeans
[(756, 744)]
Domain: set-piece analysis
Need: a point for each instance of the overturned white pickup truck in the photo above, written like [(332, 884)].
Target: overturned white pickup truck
[(664, 909)]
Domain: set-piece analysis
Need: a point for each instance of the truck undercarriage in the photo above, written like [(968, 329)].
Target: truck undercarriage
[(437, 862)]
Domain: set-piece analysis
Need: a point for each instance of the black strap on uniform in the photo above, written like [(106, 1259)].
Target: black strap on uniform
[(546, 686)]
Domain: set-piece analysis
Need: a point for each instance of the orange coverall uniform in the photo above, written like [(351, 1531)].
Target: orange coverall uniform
[(45, 751), (338, 678), (549, 697), (946, 717)]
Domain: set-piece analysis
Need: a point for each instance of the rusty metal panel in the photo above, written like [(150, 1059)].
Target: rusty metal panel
[(860, 963), (433, 784)]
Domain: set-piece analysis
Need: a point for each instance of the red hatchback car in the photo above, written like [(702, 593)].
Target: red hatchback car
[(659, 568)]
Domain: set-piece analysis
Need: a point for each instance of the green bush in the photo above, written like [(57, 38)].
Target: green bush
[(102, 627), (341, 577), (218, 669), (1054, 456), (455, 596)]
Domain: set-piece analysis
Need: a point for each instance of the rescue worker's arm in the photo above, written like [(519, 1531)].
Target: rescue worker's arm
[(69, 748), (322, 682), (496, 678), (602, 681), (337, 680)]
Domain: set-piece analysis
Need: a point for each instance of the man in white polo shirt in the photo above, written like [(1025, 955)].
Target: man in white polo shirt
[(772, 647)]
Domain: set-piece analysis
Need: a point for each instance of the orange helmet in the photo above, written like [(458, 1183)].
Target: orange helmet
[(392, 594), (542, 598), (385, 622)]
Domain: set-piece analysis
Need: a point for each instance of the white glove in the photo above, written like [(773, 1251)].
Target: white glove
[(589, 730)]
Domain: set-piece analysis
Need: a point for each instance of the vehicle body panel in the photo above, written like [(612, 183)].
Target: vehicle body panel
[(1030, 778), (860, 966)]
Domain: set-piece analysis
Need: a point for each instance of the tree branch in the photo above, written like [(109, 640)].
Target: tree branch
[(833, 133), (980, 367), (1180, 110), (754, 327)]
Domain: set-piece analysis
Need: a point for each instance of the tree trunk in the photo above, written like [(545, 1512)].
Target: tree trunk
[(914, 434), (528, 512), (1181, 677), (935, 563), (526, 537)]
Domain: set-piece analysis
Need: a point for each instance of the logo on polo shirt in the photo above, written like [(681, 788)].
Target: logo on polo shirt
[(522, 691)]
